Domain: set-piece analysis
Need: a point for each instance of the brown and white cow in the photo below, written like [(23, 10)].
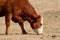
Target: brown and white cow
[(20, 11)]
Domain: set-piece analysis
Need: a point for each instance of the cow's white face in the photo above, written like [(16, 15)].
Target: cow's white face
[(39, 30), (38, 27)]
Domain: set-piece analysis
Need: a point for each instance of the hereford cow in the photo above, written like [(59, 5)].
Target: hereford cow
[(20, 11)]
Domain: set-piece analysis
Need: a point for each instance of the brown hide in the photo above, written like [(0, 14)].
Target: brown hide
[(2, 7)]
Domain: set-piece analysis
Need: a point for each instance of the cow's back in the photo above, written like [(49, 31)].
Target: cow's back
[(26, 7)]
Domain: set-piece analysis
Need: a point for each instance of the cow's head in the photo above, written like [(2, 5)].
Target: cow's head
[(37, 25)]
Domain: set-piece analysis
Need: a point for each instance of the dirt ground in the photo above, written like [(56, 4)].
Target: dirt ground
[(50, 10)]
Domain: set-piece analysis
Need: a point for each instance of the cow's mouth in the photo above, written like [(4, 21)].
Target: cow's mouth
[(39, 31)]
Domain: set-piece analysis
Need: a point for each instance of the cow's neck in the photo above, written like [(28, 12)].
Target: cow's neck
[(31, 20)]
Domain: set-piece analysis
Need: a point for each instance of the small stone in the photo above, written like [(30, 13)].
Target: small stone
[(53, 35), (55, 16)]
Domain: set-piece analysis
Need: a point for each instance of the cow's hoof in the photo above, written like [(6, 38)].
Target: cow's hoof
[(6, 33), (39, 34), (25, 33)]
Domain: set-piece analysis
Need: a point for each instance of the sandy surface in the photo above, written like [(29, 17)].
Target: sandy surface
[(50, 10)]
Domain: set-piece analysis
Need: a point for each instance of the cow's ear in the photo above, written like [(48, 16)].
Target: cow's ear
[(31, 21), (39, 17)]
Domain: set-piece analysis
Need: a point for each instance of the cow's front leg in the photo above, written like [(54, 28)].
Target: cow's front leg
[(7, 21), (8, 15), (22, 27)]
